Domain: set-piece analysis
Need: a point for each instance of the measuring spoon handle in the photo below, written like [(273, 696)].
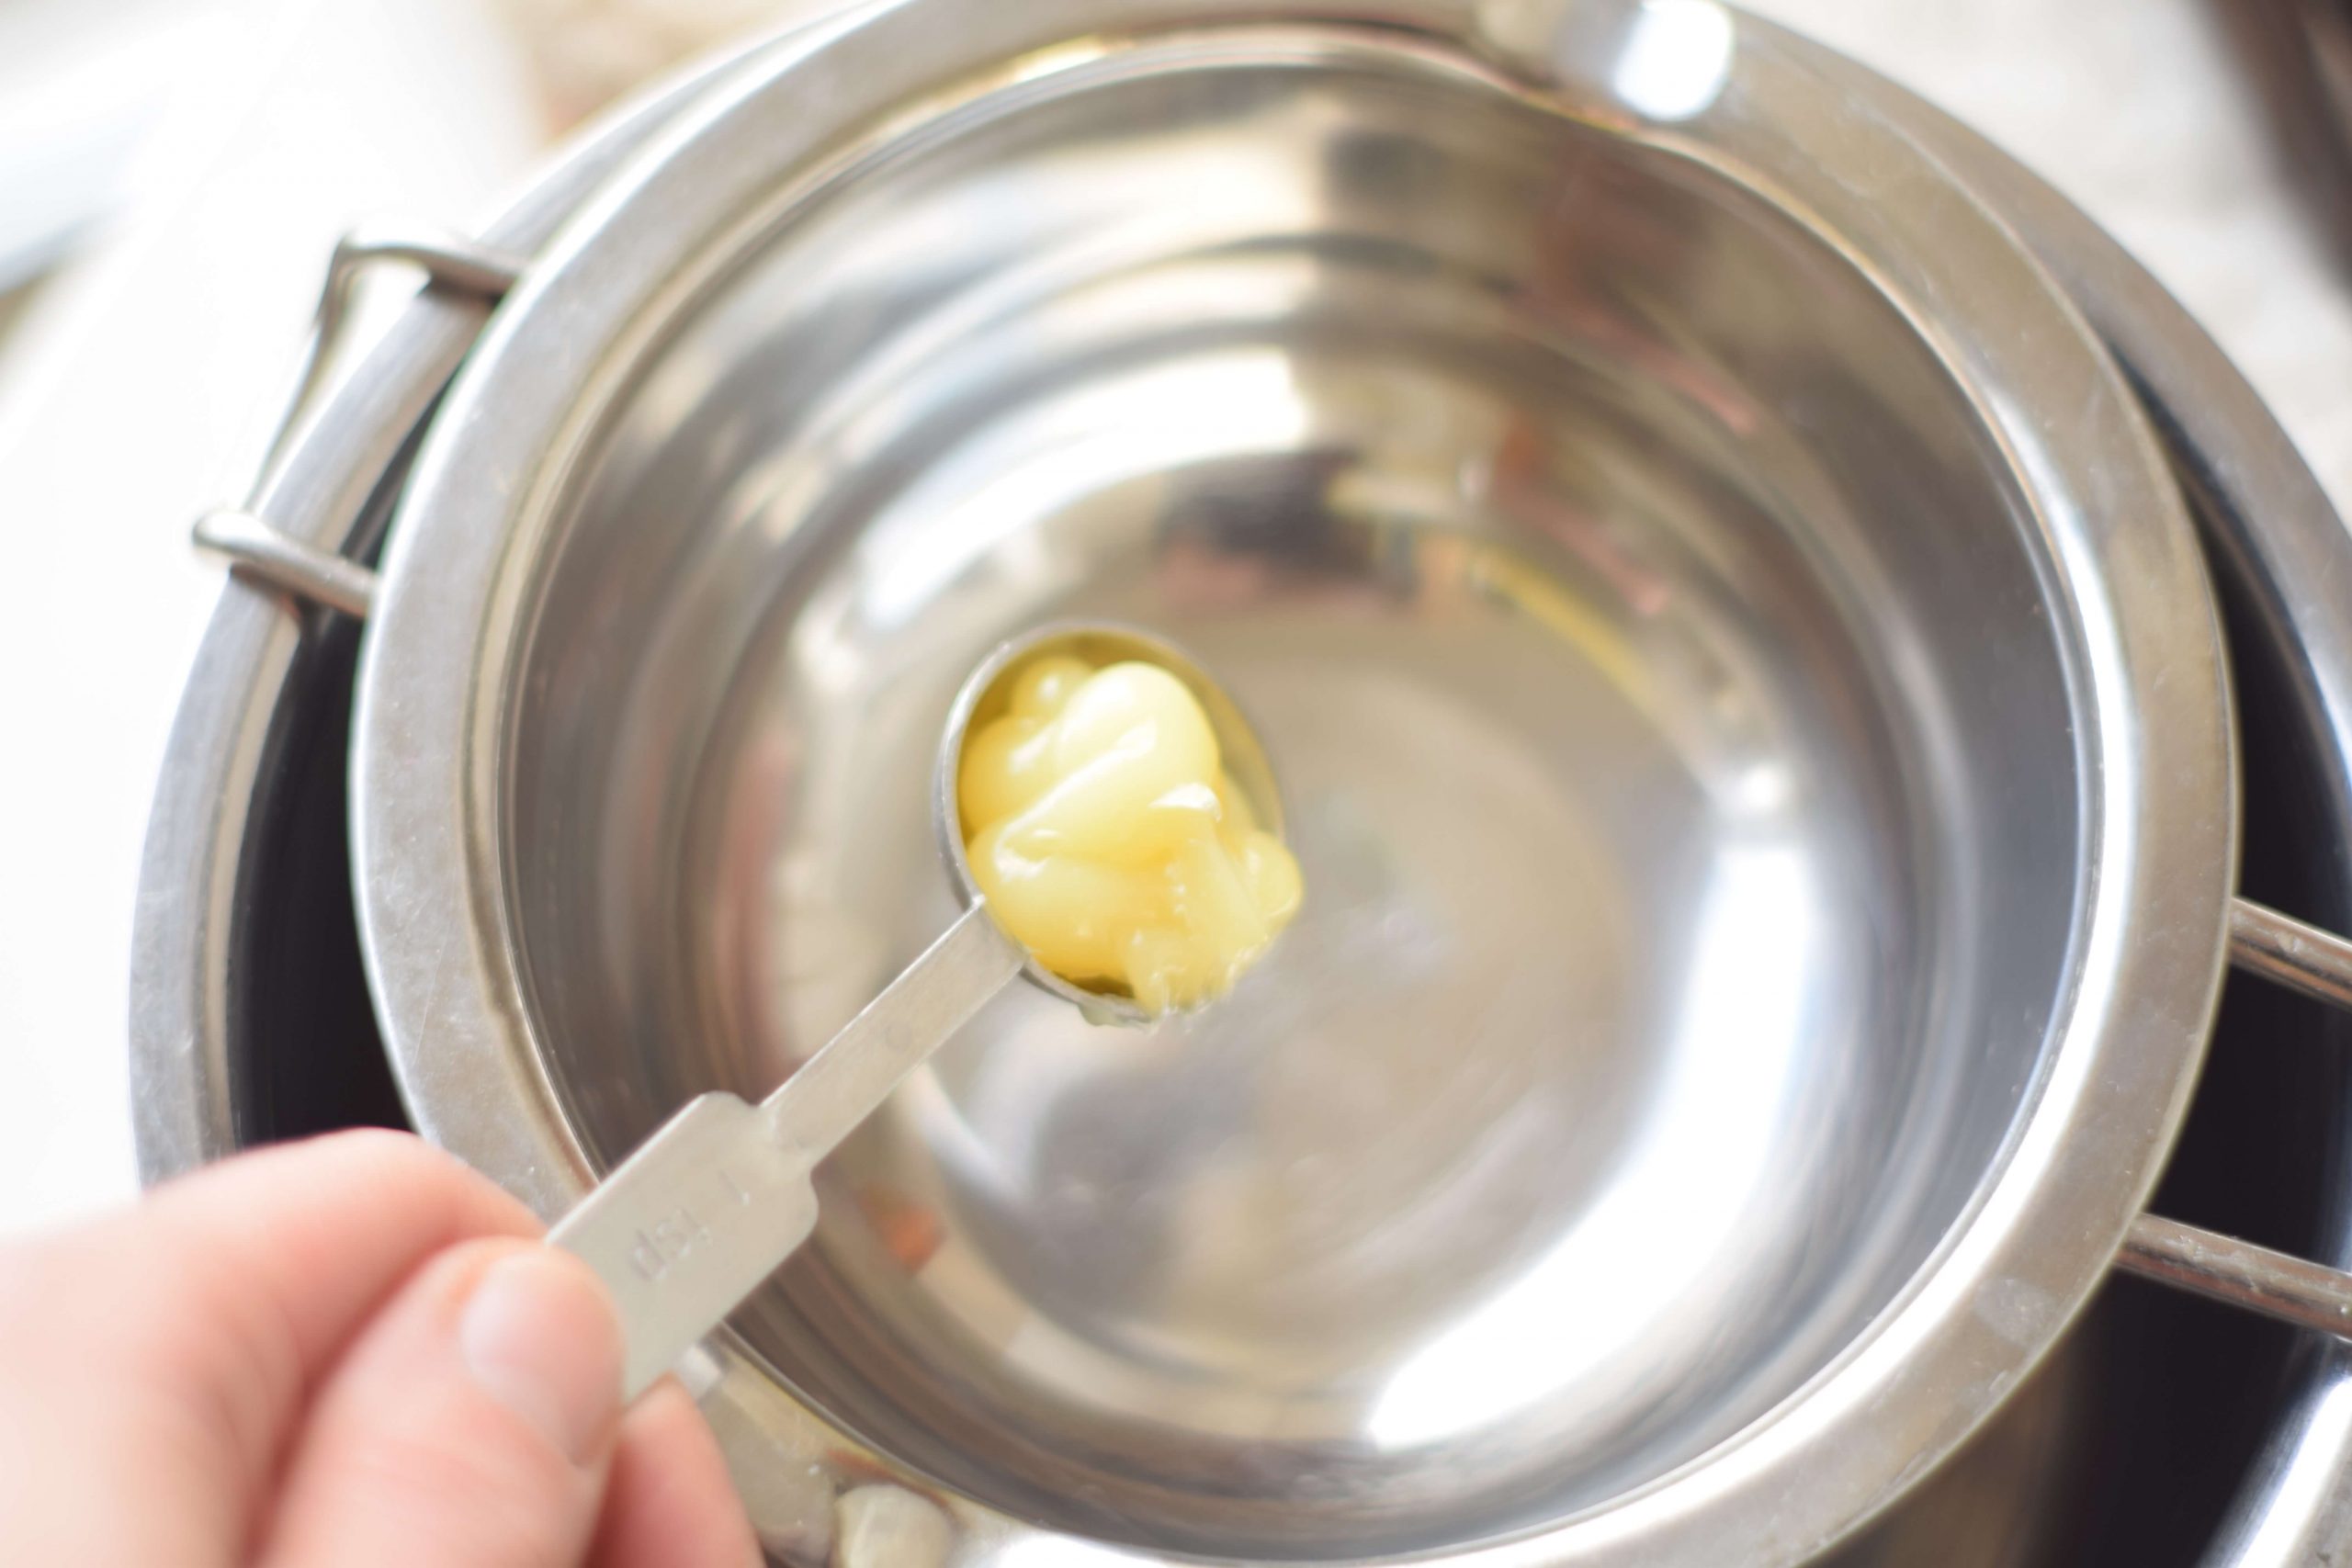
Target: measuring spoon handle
[(691, 1224)]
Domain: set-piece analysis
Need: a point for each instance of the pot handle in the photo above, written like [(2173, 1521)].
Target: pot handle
[(259, 552), (2301, 957)]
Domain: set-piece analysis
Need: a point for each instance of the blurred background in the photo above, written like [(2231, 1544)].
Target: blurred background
[(174, 173)]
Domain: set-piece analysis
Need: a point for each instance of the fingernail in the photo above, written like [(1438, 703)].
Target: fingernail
[(538, 1336)]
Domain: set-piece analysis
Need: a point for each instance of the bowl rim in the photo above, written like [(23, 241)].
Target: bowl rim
[(2150, 933)]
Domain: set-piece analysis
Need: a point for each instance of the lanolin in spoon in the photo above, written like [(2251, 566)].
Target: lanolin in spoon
[(1102, 829)]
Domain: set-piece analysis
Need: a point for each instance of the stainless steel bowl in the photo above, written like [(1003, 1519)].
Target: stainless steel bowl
[(2125, 1447), (1748, 697)]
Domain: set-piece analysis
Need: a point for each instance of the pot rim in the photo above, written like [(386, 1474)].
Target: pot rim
[(2153, 705)]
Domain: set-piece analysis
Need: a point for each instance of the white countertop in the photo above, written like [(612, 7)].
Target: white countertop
[(136, 393), (145, 380)]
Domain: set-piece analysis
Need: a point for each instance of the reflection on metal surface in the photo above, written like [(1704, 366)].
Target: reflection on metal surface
[(2305, 1486), (1677, 58), (1571, 1327), (889, 1527)]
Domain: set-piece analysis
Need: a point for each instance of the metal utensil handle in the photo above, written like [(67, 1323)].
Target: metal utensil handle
[(2318, 964), (693, 1220)]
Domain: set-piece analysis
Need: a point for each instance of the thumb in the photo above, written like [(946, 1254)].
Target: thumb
[(468, 1426)]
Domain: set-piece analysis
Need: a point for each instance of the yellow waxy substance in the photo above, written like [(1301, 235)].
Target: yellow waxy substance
[(1109, 840)]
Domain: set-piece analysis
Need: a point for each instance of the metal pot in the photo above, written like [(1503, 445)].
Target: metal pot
[(523, 665), (1818, 841)]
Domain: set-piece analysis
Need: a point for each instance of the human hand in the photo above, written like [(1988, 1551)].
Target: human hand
[(348, 1351)]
